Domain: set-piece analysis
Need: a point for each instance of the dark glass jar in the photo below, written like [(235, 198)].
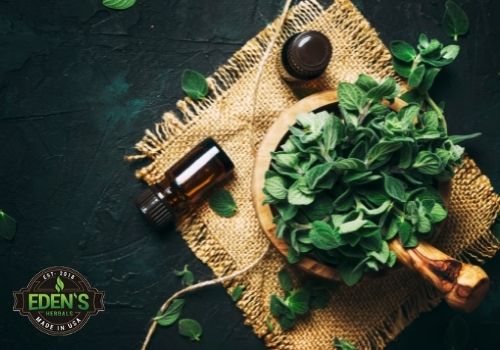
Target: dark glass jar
[(305, 56), (186, 183)]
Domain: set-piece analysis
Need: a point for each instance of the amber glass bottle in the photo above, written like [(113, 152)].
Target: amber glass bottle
[(305, 56), (186, 183)]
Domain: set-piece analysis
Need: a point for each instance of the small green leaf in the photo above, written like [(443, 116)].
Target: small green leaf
[(323, 236), (286, 323), (352, 226), (276, 187), (341, 344), (384, 90), (457, 334), (187, 277), (285, 280), (450, 52), (403, 51), (402, 68), (351, 97), (366, 82), (317, 173), (381, 255), (172, 313), (279, 307), (190, 328), (118, 4), (222, 203), (194, 84), (382, 150), (438, 213), (394, 188), (350, 275), (297, 197), (237, 292), (292, 256), (428, 163), (429, 77), (460, 138), (287, 211), (416, 76), (8, 226), (455, 20), (349, 164), (298, 301)]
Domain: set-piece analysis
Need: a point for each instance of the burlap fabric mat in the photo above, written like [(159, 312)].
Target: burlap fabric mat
[(369, 314)]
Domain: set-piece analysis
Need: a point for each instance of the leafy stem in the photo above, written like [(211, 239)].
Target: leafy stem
[(438, 110)]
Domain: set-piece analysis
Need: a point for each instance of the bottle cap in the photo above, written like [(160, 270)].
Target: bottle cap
[(154, 209), (306, 55)]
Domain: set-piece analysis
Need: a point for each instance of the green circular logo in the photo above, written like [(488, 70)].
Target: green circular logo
[(58, 301)]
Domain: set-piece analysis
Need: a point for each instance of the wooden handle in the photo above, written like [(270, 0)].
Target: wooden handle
[(464, 285)]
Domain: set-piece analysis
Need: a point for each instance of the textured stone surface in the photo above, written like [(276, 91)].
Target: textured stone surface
[(79, 84)]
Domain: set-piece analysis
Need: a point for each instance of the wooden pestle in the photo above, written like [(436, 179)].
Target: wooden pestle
[(463, 285)]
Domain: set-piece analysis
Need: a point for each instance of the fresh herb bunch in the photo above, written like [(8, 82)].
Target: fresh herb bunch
[(344, 186), (421, 67)]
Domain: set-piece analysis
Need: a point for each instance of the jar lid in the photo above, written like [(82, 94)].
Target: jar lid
[(154, 209), (307, 54)]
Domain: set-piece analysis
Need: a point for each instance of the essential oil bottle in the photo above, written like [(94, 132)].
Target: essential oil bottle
[(185, 184), (305, 56)]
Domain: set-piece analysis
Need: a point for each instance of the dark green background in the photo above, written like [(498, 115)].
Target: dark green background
[(79, 84)]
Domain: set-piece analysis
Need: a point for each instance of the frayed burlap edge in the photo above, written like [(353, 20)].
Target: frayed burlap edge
[(155, 142)]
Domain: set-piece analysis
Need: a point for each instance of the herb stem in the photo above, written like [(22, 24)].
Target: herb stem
[(438, 110)]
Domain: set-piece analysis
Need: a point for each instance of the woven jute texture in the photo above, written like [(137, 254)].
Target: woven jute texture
[(369, 314)]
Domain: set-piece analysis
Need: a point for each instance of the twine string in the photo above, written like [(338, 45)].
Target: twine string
[(204, 284)]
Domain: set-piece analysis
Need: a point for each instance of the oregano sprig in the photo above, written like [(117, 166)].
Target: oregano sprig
[(297, 301)]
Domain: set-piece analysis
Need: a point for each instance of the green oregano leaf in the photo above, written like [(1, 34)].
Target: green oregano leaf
[(194, 84), (317, 173), (381, 150), (118, 4), (341, 344), (350, 275), (323, 236), (8, 226), (455, 20), (428, 163), (351, 97), (438, 213), (222, 203), (190, 328), (172, 313), (276, 187), (297, 197), (460, 138), (384, 90), (187, 277), (366, 82), (237, 292), (394, 188), (416, 76), (401, 67), (403, 51), (298, 301), (285, 280)]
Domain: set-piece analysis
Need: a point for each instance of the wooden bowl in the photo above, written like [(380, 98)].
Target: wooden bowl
[(270, 143), (463, 285)]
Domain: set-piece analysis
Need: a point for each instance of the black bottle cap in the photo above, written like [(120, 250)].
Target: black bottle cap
[(154, 209), (306, 55)]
